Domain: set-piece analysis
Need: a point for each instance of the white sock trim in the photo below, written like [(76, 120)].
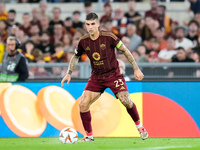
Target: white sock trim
[(138, 126)]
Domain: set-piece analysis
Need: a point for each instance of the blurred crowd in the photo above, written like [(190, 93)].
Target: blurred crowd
[(63, 1), (152, 37)]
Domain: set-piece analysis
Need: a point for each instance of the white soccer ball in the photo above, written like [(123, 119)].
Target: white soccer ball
[(68, 136)]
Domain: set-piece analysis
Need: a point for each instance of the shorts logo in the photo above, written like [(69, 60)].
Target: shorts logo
[(103, 46), (96, 56), (122, 88), (87, 48)]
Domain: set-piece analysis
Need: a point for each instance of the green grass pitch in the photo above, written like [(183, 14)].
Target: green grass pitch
[(101, 144)]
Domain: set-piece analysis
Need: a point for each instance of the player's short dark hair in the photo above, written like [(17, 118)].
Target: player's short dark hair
[(12, 11), (91, 16)]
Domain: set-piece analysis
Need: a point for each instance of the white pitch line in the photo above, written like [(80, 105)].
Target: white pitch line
[(154, 148), (165, 147)]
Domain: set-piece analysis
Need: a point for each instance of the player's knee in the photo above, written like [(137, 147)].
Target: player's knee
[(83, 106)]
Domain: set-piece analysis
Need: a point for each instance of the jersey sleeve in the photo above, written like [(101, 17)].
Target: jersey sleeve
[(79, 49), (115, 41)]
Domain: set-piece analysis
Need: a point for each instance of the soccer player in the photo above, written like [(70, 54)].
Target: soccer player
[(100, 48)]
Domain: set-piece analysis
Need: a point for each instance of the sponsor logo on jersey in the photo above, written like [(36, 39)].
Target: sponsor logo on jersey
[(96, 56), (103, 46), (98, 63)]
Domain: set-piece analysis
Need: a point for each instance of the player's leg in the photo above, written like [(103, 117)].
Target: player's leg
[(130, 106), (88, 97), (125, 99)]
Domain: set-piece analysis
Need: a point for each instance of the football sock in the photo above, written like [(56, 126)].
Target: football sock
[(133, 113), (86, 120), (138, 124), (90, 135)]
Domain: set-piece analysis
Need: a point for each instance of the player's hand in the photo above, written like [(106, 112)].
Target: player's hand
[(138, 75), (66, 78)]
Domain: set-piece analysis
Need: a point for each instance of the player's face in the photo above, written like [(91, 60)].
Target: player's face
[(92, 26)]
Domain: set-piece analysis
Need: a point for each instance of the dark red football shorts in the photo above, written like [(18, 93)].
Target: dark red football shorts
[(116, 84)]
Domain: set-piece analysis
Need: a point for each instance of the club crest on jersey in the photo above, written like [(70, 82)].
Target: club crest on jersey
[(96, 56), (103, 46), (87, 48)]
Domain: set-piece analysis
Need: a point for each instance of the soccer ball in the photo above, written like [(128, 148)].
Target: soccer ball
[(68, 136)]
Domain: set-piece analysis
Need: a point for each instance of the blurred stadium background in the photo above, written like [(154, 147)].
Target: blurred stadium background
[(176, 10)]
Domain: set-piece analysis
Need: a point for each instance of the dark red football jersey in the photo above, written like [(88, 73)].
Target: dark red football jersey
[(101, 53)]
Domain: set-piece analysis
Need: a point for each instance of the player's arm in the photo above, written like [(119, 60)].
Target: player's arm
[(72, 65), (73, 62), (128, 55), (137, 73)]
